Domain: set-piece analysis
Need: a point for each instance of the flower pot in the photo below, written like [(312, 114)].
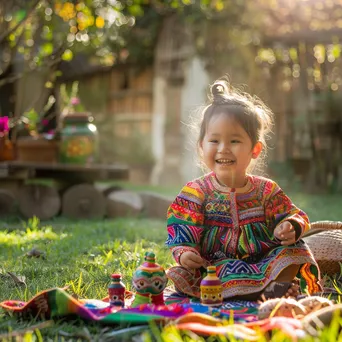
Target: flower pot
[(6, 149), (79, 144), (38, 150)]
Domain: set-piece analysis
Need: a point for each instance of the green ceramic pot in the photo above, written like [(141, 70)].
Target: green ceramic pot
[(79, 141)]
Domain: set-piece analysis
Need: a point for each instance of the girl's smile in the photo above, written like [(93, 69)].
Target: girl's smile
[(225, 162)]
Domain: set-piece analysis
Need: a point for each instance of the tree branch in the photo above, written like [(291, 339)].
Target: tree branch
[(10, 79), (13, 52), (13, 29), (13, 78)]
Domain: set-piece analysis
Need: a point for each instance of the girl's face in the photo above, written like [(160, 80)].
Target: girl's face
[(227, 150)]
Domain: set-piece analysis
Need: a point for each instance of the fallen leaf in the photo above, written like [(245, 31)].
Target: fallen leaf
[(19, 280)]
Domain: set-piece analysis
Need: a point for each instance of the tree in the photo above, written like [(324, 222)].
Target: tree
[(39, 34), (249, 36)]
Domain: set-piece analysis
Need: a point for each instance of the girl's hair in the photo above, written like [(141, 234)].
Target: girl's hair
[(249, 111)]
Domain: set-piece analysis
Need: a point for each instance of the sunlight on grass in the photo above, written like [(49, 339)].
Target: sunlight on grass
[(20, 237), (83, 255), (79, 254)]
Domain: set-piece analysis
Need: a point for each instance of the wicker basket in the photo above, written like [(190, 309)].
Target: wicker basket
[(325, 242)]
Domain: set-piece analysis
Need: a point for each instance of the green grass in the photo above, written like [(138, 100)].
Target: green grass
[(84, 254), (317, 206), (79, 254)]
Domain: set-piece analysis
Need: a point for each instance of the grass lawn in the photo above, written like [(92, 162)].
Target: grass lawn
[(84, 254), (79, 254)]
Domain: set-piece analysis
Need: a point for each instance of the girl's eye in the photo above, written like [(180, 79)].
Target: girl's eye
[(214, 141), (235, 141)]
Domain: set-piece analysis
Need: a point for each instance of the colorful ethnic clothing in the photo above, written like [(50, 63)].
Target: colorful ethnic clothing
[(233, 229)]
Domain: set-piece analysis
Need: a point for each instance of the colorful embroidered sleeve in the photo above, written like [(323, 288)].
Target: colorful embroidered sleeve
[(185, 219), (279, 208)]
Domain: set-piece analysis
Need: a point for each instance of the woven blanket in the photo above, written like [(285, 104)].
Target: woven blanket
[(57, 302), (233, 318)]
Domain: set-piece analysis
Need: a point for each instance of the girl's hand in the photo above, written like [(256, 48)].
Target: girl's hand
[(285, 232), (191, 260)]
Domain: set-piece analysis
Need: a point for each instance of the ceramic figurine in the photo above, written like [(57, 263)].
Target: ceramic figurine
[(149, 281), (211, 288), (116, 291)]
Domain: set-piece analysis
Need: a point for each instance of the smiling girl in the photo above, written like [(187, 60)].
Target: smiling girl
[(243, 224)]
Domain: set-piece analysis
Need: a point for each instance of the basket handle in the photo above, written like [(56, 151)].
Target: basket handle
[(321, 226)]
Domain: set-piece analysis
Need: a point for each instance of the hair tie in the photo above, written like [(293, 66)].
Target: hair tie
[(220, 88)]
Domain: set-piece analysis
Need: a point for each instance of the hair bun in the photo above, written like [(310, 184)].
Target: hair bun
[(219, 91)]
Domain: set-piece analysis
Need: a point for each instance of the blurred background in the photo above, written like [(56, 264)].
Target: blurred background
[(141, 68), (97, 98)]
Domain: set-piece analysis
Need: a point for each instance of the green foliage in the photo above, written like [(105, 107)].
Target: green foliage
[(70, 101), (115, 31), (46, 32), (31, 119)]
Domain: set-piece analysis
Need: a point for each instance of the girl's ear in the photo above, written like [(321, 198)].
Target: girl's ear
[(257, 150)]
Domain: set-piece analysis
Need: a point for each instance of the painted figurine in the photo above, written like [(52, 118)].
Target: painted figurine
[(211, 288), (116, 291), (149, 281)]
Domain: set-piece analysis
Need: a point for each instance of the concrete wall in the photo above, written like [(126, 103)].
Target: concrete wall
[(194, 95), (176, 160), (158, 127)]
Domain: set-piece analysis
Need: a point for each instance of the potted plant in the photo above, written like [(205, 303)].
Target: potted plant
[(6, 146), (73, 139), (78, 134), (34, 143)]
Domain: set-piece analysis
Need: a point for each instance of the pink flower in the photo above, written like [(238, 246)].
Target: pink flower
[(75, 101), (45, 122), (4, 124)]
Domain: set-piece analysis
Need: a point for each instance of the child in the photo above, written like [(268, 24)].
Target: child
[(243, 224)]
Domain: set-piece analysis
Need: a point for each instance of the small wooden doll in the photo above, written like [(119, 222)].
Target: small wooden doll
[(211, 288), (116, 291), (149, 281)]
